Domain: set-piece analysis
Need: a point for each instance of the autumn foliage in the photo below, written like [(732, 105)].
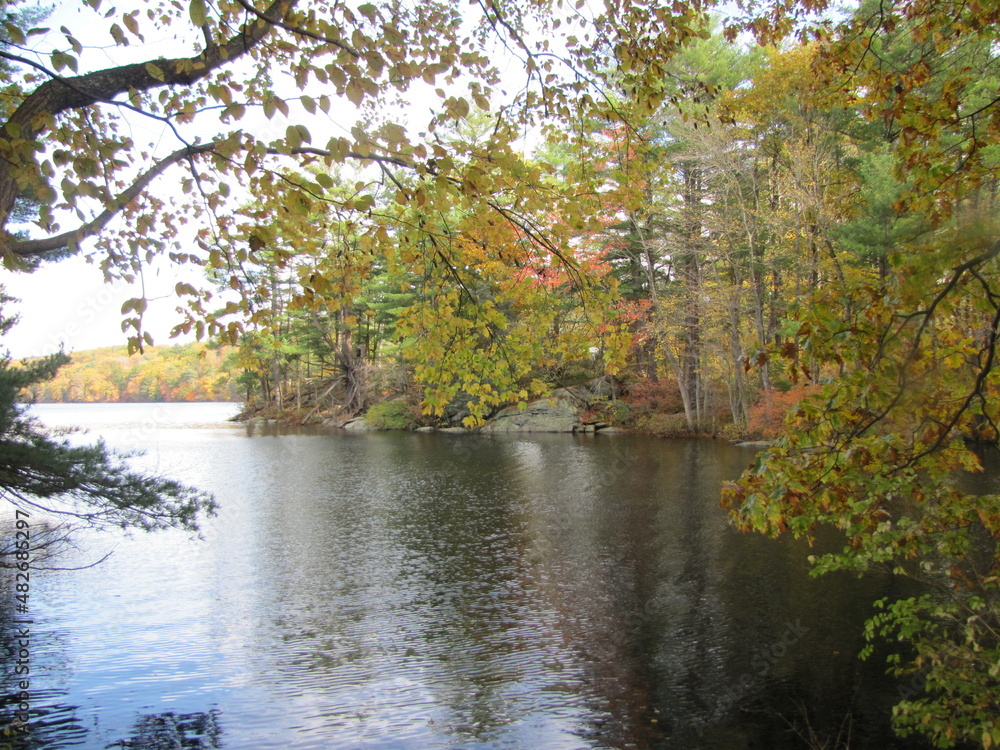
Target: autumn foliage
[(188, 372), (768, 416), (823, 206)]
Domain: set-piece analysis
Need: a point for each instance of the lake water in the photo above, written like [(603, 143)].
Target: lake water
[(415, 591)]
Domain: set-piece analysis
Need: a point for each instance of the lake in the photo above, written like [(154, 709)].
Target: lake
[(415, 591)]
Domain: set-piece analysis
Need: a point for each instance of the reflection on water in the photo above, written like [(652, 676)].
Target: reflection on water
[(168, 731), (439, 591)]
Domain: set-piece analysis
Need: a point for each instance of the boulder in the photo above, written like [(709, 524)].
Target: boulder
[(552, 414), (602, 387), (586, 394), (457, 409), (358, 425)]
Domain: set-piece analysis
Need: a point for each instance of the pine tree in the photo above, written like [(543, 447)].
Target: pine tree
[(88, 484)]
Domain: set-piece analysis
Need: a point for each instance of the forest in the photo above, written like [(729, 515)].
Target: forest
[(185, 372), (725, 234), (765, 206), (711, 224)]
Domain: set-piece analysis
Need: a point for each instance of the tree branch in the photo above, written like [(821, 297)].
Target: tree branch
[(338, 43), (73, 238), (58, 95)]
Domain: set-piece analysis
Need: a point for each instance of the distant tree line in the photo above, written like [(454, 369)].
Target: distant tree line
[(187, 372)]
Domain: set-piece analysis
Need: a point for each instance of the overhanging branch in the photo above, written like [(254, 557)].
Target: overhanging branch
[(61, 94), (73, 238)]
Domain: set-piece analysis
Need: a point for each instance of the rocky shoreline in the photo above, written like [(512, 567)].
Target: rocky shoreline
[(564, 410), (579, 409)]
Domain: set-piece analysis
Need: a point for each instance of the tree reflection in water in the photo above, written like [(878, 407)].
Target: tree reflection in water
[(172, 731)]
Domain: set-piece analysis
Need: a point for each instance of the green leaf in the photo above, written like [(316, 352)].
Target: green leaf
[(118, 35), (15, 33), (132, 25), (198, 12), (62, 60), (355, 92)]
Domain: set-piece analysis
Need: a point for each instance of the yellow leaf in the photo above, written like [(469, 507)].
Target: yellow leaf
[(355, 92)]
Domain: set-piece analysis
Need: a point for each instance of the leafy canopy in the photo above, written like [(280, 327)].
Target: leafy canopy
[(905, 355), (268, 91), (269, 98)]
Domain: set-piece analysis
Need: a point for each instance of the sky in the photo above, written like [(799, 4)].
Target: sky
[(68, 305)]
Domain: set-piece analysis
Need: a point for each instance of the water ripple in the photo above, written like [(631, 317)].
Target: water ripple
[(409, 592)]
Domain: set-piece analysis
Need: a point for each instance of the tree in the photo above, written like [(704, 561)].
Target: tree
[(491, 304), (83, 483), (63, 140), (906, 357)]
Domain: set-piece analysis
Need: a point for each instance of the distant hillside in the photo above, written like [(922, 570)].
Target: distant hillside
[(186, 372)]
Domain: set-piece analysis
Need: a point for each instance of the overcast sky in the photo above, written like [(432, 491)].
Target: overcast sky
[(68, 304)]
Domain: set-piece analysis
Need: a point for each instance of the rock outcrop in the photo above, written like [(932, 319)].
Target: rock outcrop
[(560, 412), (358, 424), (546, 415)]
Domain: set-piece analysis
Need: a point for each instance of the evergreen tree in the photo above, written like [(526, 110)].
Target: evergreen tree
[(85, 483)]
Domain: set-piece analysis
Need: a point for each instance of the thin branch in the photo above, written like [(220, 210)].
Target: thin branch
[(338, 43), (927, 314), (60, 94)]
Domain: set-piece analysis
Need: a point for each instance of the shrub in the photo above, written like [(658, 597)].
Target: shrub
[(735, 432), (618, 413), (664, 425), (767, 416), (396, 414), (660, 396)]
